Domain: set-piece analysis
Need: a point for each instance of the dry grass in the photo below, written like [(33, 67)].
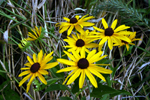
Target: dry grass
[(131, 71)]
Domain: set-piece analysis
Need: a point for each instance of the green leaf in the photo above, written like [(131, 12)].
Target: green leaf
[(54, 87), (130, 50), (49, 82), (1, 1), (120, 92), (83, 98), (3, 84), (104, 89), (75, 87), (12, 94), (65, 98)]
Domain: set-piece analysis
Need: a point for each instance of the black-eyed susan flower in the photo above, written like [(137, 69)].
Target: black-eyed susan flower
[(37, 68), (131, 37), (75, 22), (36, 34), (82, 66), (112, 33), (79, 42), (24, 44)]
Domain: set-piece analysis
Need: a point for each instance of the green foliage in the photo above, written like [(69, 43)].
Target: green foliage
[(54, 87), (104, 89), (75, 87), (5, 87), (129, 13), (65, 98)]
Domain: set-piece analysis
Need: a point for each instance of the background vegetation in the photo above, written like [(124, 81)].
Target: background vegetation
[(131, 75)]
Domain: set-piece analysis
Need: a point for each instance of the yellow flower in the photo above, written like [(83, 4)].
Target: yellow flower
[(111, 34), (35, 35), (24, 44), (131, 37), (81, 66), (80, 42), (75, 22), (36, 68)]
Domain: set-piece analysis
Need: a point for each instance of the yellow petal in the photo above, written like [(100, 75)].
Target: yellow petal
[(110, 43), (32, 36), (116, 40), (25, 68), (104, 23), (83, 52), (74, 36), (103, 40), (76, 55), (40, 56), (31, 79), (77, 17), (42, 78), (79, 29), (28, 64), (74, 76), (50, 65), (70, 56), (96, 73), (96, 28), (30, 39), (120, 28), (24, 79), (69, 76), (102, 70), (67, 19), (43, 72), (91, 78), (45, 61), (67, 62), (66, 69), (97, 57), (124, 38), (127, 46), (34, 58), (132, 35), (50, 54), (82, 78), (125, 33), (91, 54), (91, 45), (30, 60), (64, 29), (87, 18), (70, 29), (113, 25), (24, 73), (87, 24)]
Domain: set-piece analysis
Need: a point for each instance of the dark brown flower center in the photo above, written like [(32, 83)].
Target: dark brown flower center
[(80, 43), (124, 41), (83, 63), (109, 32), (73, 20), (35, 67)]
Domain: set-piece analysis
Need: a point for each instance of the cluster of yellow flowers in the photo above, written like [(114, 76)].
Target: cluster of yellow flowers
[(79, 43)]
